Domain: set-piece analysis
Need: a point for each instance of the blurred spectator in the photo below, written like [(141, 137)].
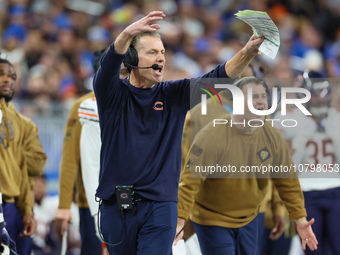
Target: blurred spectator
[(45, 241)]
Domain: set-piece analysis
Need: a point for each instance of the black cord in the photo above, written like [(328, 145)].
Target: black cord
[(100, 233), (179, 232)]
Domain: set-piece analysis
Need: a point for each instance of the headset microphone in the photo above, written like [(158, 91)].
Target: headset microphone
[(154, 66)]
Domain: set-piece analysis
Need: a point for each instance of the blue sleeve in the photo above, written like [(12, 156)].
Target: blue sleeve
[(218, 72), (106, 80), (196, 83), (186, 89)]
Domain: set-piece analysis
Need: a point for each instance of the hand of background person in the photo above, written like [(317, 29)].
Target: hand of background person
[(30, 225), (62, 218), (306, 233), (180, 226), (279, 227)]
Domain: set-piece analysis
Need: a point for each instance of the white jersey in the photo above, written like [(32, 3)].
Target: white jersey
[(0, 116), (90, 145), (315, 150)]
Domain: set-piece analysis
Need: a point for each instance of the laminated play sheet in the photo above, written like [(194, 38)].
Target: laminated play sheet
[(262, 24)]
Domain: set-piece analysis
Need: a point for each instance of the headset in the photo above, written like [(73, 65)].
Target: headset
[(131, 60)]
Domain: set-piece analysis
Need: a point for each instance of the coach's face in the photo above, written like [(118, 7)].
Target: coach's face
[(259, 100), (150, 51)]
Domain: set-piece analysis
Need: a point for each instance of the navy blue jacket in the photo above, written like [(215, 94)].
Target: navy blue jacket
[(145, 149)]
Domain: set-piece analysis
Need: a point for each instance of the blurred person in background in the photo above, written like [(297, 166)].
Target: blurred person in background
[(70, 172), (45, 240), (34, 152), (272, 208), (224, 205), (15, 188), (6, 243), (315, 146)]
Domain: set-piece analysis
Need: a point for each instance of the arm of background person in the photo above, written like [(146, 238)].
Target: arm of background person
[(289, 189), (90, 144), (69, 167), (278, 212), (34, 152), (24, 201), (188, 186)]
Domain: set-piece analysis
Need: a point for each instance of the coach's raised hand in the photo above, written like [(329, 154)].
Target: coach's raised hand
[(144, 24), (235, 66)]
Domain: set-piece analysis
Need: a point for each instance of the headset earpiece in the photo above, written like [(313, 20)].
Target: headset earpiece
[(131, 58)]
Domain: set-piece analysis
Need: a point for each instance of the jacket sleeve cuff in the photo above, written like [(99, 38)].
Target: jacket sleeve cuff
[(298, 214), (183, 214), (25, 210)]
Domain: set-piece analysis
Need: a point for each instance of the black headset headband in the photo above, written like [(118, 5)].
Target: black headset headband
[(131, 58)]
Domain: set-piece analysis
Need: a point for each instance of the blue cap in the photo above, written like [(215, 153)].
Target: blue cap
[(15, 30), (15, 10), (63, 22)]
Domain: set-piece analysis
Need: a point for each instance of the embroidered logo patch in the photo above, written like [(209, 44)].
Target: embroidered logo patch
[(196, 151), (264, 154), (68, 134), (158, 106)]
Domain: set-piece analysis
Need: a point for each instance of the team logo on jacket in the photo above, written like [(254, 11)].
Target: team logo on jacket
[(158, 106), (3, 136), (264, 154)]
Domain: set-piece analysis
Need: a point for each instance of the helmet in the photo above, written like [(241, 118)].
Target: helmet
[(320, 90)]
